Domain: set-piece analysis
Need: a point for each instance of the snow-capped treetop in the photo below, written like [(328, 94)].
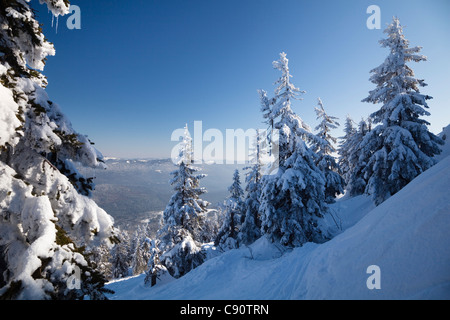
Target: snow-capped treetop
[(279, 114), (285, 88), (325, 126), (349, 128), (256, 154), (185, 152), (401, 146), (344, 149), (285, 92), (394, 78), (236, 192)]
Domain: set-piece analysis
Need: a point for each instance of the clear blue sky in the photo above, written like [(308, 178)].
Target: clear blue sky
[(139, 69)]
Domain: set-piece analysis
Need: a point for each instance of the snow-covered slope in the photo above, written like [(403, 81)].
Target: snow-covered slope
[(406, 236)]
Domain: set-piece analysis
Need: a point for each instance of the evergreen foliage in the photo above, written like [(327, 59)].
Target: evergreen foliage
[(324, 149), (227, 237), (400, 147), (292, 198), (251, 226), (183, 219), (48, 224)]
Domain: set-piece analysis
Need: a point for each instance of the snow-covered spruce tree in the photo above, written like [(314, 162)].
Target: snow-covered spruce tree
[(120, 257), (235, 190), (293, 197), (100, 258), (344, 149), (181, 234), (211, 225), (141, 247), (324, 150), (227, 238), (357, 160), (251, 227), (154, 268), (400, 147), (47, 224)]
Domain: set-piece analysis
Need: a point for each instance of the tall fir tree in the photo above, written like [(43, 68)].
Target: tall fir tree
[(292, 197), (183, 218), (400, 147), (324, 149), (120, 257), (47, 222), (344, 149), (141, 250), (251, 226), (227, 238), (357, 160)]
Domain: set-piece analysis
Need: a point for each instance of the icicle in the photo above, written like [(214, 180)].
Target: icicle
[(53, 19)]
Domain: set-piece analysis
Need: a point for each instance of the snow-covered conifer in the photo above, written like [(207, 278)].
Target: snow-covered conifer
[(154, 268), (357, 160), (400, 147), (46, 219), (120, 258), (181, 234), (251, 226), (324, 149), (293, 197), (234, 207), (141, 250), (344, 149), (235, 190), (100, 257)]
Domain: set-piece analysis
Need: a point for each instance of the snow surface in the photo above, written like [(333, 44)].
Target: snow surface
[(406, 236), (8, 109)]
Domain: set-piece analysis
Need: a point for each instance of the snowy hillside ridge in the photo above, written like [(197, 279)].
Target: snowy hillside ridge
[(406, 236)]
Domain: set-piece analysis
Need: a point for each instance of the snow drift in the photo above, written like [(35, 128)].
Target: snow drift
[(406, 236)]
